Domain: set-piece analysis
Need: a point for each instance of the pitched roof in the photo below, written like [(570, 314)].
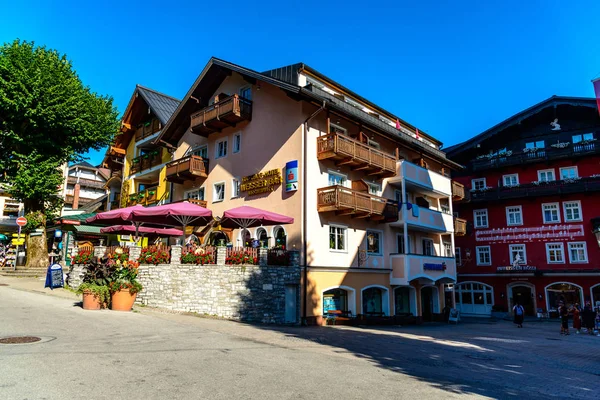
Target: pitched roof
[(216, 70), (83, 164), (518, 117), (162, 105)]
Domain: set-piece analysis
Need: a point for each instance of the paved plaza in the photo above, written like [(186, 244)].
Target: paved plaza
[(151, 354)]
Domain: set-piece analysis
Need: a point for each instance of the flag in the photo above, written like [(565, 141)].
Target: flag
[(596, 83), (398, 124), (417, 133)]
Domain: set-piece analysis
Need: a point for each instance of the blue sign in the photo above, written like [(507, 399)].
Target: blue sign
[(291, 176), (54, 277), (435, 267), (58, 233)]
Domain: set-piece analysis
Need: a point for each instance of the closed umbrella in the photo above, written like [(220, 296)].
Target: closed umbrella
[(249, 217)]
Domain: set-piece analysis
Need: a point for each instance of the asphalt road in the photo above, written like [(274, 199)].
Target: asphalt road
[(153, 355)]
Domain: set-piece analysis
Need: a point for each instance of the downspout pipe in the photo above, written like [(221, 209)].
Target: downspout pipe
[(304, 223)]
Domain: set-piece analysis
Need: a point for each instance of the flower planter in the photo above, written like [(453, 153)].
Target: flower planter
[(91, 301), (122, 300)]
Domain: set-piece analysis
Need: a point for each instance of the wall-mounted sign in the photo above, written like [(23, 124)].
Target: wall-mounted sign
[(263, 182), (70, 222), (435, 267), (516, 268), (291, 176)]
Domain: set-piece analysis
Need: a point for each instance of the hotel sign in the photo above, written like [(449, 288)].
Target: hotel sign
[(516, 268), (434, 267), (262, 182)]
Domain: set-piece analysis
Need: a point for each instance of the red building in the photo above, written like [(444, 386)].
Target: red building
[(534, 183)]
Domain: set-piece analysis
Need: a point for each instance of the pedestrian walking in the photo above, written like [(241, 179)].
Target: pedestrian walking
[(577, 318), (519, 314), (563, 312), (588, 317)]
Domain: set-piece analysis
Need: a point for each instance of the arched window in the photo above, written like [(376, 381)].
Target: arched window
[(280, 238), (474, 298), (262, 237), (246, 238), (217, 238), (372, 301), (565, 292), (335, 299)]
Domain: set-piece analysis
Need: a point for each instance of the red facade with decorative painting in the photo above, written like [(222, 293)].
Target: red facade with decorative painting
[(534, 185)]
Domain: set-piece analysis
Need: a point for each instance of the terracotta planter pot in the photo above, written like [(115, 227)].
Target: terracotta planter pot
[(90, 301), (122, 300)]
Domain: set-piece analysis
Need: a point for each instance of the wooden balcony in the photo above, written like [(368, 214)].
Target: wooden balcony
[(458, 191), (344, 201), (147, 129), (86, 182), (225, 113), (145, 197), (347, 151), (145, 162), (460, 227), (188, 168), (201, 203)]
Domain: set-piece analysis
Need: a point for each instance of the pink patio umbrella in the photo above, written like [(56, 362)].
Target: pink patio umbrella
[(249, 217), (129, 229), (175, 214), (116, 217)]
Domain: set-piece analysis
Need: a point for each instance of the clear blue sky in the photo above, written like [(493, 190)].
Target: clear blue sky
[(452, 68)]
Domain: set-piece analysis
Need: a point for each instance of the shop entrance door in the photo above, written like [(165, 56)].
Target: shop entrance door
[(427, 303), (523, 295)]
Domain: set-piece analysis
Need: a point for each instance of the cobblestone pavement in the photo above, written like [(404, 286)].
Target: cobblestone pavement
[(472, 359)]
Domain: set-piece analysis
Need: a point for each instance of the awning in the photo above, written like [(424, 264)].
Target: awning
[(88, 229)]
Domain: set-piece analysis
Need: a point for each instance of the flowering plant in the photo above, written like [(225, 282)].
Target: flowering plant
[(84, 257), (154, 255), (125, 277), (241, 257), (119, 254), (197, 256)]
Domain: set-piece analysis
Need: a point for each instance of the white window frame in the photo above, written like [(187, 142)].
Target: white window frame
[(489, 251), (398, 196), (186, 194), (225, 147), (242, 89), (379, 190), (215, 199), (447, 249), (587, 260), (562, 250), (337, 226), (581, 137), (569, 168), (557, 213), (478, 180), (428, 240), (233, 149), (380, 233), (196, 149), (335, 173), (540, 171), (235, 187), (510, 253), (508, 216), (516, 176), (534, 144), (578, 206), (487, 220)]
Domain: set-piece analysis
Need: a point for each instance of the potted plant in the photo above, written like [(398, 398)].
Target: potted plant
[(94, 288), (124, 286)]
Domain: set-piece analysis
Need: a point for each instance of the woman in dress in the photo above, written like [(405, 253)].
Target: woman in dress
[(577, 318)]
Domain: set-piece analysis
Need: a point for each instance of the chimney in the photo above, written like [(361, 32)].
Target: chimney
[(76, 196)]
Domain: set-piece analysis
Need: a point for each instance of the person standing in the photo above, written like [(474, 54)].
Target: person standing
[(577, 318), (589, 317), (563, 312), (519, 314)]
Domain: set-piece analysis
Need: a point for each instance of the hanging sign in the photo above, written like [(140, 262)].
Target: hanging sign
[(291, 176), (262, 182)]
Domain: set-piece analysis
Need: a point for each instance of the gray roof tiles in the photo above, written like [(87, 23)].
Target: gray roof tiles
[(162, 105)]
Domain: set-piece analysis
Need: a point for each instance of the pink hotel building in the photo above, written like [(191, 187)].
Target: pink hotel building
[(372, 205)]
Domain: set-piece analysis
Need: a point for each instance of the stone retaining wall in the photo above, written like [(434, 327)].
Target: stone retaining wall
[(75, 275), (247, 293)]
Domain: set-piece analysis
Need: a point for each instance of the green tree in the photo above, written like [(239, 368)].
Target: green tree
[(47, 118)]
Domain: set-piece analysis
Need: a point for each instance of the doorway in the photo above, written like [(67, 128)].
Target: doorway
[(427, 303), (524, 296), (291, 306)]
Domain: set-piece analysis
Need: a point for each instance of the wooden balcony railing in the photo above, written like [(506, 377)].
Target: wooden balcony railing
[(188, 168), (224, 113), (346, 201), (201, 203), (85, 182), (458, 190), (146, 161), (348, 151), (147, 129), (145, 197), (460, 227)]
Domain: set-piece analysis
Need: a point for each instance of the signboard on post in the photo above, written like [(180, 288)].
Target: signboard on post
[(454, 316), (21, 221)]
